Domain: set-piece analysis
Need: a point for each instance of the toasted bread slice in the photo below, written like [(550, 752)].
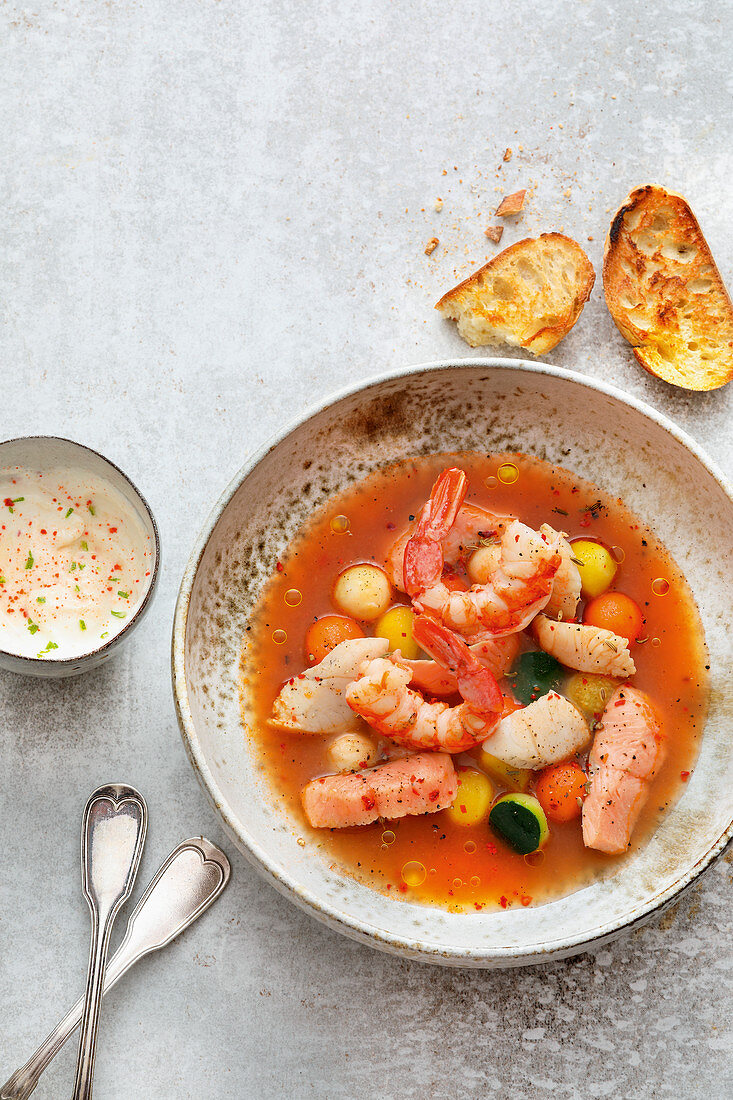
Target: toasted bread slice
[(665, 292), (529, 296)]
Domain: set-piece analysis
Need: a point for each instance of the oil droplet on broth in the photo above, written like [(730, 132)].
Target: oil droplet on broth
[(293, 597), (457, 883), (618, 554), (474, 881), (388, 837), (340, 524), (279, 636), (491, 482), (413, 873), (534, 859), (469, 847), (507, 473), (660, 587), (656, 642)]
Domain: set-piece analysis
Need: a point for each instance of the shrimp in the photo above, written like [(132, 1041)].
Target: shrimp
[(626, 755), (547, 731), (566, 586), (585, 648), (516, 591), (419, 784), (496, 654), (382, 697), (471, 528)]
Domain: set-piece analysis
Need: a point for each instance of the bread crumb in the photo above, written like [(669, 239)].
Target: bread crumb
[(438, 204), (431, 246), (507, 154), (511, 204), (494, 233), (590, 238)]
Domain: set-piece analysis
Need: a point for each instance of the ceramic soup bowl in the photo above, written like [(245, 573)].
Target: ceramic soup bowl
[(485, 405)]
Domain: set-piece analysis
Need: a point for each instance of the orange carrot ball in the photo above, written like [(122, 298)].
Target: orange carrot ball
[(326, 633), (560, 791), (615, 612)]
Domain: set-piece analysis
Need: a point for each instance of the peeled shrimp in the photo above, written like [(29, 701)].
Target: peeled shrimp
[(585, 648), (496, 654), (518, 588), (545, 732), (471, 526), (314, 701), (381, 696), (419, 784), (566, 586), (626, 755)]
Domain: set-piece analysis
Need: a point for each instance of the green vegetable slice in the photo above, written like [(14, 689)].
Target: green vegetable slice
[(534, 674), (520, 821)]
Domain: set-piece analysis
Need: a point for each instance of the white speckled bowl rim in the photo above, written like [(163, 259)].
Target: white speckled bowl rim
[(336, 915)]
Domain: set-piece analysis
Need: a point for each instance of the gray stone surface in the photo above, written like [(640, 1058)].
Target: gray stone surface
[(213, 213)]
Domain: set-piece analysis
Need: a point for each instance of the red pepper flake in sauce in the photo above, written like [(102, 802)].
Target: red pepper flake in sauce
[(684, 776), (526, 900), (503, 902), (280, 567)]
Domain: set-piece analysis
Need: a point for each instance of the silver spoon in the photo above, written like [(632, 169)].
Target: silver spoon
[(112, 838), (190, 879)]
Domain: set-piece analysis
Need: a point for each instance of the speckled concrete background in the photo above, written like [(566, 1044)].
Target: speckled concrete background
[(214, 213)]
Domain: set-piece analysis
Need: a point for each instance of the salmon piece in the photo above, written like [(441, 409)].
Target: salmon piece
[(629, 737), (611, 810), (419, 784), (626, 755)]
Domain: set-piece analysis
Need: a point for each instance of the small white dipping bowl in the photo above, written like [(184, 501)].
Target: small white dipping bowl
[(470, 405), (38, 452)]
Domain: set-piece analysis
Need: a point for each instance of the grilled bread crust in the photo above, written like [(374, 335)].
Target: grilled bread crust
[(529, 296), (665, 293)]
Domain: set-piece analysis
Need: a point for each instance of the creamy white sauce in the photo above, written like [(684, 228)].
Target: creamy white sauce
[(75, 562)]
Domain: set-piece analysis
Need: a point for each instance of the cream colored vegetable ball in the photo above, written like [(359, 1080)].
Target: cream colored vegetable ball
[(362, 591)]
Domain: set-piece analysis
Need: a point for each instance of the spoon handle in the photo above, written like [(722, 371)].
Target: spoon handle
[(101, 929), (112, 838), (185, 885)]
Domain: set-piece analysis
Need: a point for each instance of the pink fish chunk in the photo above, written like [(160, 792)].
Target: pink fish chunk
[(626, 755), (419, 784)]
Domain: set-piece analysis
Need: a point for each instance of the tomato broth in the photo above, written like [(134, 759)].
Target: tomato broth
[(431, 858)]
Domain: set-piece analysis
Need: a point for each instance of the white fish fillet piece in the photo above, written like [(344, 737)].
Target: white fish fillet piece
[(585, 648), (547, 731), (314, 701)]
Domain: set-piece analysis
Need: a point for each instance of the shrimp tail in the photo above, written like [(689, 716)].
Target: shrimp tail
[(423, 562), (476, 683)]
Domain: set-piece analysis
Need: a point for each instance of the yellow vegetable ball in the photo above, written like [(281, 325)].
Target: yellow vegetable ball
[(473, 801), (590, 693), (352, 751), (362, 591), (597, 568), (483, 562), (396, 626)]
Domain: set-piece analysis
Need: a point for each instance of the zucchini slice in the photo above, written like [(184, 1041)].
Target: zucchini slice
[(520, 821)]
